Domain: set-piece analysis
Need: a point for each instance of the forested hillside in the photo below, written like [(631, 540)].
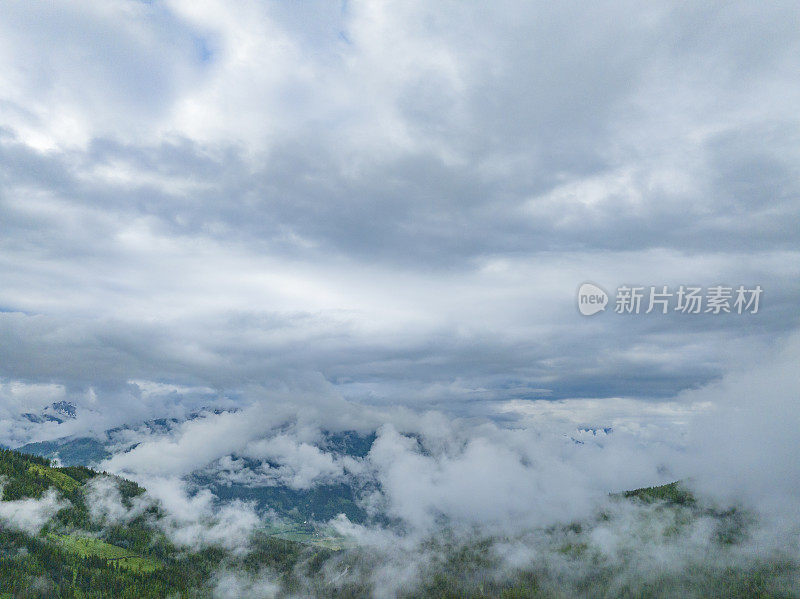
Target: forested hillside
[(72, 555), (55, 542)]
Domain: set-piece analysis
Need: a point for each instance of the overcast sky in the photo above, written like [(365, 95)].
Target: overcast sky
[(393, 203)]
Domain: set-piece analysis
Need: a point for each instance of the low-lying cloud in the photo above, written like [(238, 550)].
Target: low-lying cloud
[(31, 514)]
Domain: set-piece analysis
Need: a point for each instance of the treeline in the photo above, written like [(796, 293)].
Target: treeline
[(32, 567)]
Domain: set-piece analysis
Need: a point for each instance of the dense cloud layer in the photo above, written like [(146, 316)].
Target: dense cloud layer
[(400, 201)]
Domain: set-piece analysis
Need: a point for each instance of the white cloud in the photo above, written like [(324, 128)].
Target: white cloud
[(72, 72), (236, 585), (30, 515), (196, 443), (105, 504), (744, 449)]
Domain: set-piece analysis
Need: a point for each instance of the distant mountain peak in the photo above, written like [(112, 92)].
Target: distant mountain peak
[(65, 408), (59, 411)]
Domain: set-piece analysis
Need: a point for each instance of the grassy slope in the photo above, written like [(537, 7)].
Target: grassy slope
[(63, 482), (86, 546)]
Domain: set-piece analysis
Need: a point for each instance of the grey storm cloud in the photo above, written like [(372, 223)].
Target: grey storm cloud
[(397, 201)]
